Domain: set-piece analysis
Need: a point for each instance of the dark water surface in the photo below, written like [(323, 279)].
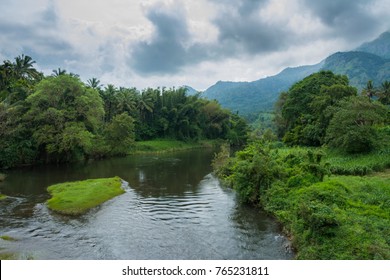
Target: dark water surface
[(173, 208)]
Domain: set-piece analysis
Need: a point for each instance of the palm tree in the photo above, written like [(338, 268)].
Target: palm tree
[(58, 72), (384, 93), (145, 103), (126, 99), (23, 67), (369, 90), (109, 95), (94, 83)]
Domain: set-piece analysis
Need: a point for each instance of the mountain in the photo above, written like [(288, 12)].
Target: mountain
[(379, 46), (190, 90), (360, 67), (260, 95), (371, 61)]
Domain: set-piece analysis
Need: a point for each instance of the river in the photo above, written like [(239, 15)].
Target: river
[(173, 208)]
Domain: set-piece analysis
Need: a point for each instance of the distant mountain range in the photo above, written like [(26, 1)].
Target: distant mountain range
[(371, 61)]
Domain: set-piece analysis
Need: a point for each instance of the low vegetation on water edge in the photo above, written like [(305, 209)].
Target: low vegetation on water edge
[(8, 256), (75, 198), (2, 196), (328, 216), (8, 238), (167, 145)]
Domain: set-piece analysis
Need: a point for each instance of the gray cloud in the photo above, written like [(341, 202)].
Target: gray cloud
[(40, 39), (166, 52), (242, 30), (352, 20)]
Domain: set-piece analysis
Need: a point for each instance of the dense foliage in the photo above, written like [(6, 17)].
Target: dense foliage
[(322, 214), (327, 217), (324, 109), (60, 119)]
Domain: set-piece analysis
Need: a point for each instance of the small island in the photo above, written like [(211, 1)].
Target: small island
[(76, 198)]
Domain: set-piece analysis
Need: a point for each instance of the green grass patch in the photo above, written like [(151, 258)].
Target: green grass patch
[(8, 238), (343, 164), (2, 196), (344, 217), (76, 198), (8, 256), (359, 164), (166, 145)]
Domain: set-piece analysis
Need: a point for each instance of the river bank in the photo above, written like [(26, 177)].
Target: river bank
[(327, 216), (170, 145)]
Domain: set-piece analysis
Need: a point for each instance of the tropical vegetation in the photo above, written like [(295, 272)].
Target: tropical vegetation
[(58, 118), (327, 131)]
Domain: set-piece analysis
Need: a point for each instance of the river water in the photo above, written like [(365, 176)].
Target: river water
[(173, 208)]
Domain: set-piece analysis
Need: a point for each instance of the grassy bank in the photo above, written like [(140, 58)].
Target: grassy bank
[(327, 217), (344, 217), (343, 164), (166, 145), (76, 198)]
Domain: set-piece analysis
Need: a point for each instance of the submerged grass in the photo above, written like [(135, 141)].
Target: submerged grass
[(7, 238), (8, 256), (76, 198)]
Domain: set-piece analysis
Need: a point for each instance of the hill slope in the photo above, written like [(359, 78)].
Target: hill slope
[(371, 61), (360, 67), (260, 95)]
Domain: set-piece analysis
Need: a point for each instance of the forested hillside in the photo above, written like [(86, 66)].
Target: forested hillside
[(368, 62)]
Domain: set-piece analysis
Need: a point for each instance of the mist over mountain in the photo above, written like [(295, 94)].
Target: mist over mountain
[(371, 61)]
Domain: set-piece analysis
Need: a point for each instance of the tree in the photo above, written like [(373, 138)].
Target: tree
[(384, 93), (110, 101), (94, 83), (64, 115), (120, 134), (369, 90), (352, 127), (302, 116), (23, 67), (59, 72)]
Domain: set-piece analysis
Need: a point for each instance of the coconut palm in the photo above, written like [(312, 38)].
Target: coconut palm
[(126, 99), (384, 93), (94, 83), (58, 72), (23, 68)]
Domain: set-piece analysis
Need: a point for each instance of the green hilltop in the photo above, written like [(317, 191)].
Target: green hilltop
[(371, 61)]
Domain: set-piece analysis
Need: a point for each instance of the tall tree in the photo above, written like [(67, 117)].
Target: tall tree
[(65, 115), (384, 93), (94, 83), (24, 68)]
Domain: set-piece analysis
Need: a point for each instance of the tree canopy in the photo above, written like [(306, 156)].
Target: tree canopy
[(58, 118)]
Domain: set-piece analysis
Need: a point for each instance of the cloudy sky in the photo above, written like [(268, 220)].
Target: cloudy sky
[(183, 42)]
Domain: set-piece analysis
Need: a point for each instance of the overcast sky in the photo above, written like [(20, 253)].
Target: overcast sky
[(184, 42)]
